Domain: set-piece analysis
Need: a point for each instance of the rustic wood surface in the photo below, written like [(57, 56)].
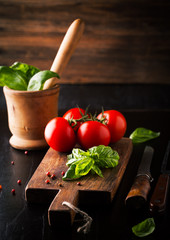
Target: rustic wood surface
[(138, 193), (125, 41), (158, 200), (92, 190)]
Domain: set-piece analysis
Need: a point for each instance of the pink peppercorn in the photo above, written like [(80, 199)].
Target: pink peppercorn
[(79, 184), (62, 173), (12, 162), (47, 181), (48, 174), (53, 176), (19, 181), (13, 191), (26, 152)]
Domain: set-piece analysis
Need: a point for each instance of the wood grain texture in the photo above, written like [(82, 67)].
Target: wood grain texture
[(66, 50), (124, 41), (93, 189), (159, 198), (138, 193)]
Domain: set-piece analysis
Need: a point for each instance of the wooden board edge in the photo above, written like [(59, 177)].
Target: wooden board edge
[(127, 157)]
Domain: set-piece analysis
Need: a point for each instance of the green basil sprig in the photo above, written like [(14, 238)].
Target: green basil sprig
[(142, 135), (82, 162), (144, 228), (26, 70), (21, 76), (38, 80), (12, 78)]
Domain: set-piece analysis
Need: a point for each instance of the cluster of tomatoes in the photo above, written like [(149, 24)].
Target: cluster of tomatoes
[(77, 126)]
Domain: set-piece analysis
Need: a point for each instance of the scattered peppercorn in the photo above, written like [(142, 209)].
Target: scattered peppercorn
[(0, 187), (12, 162), (13, 191), (60, 185), (26, 152), (78, 183), (47, 181), (62, 173), (48, 174), (19, 182), (53, 176)]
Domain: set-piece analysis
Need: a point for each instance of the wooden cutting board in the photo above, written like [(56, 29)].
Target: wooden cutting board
[(92, 190)]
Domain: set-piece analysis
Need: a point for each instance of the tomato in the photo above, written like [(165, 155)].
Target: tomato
[(59, 135), (74, 113), (116, 123), (93, 133)]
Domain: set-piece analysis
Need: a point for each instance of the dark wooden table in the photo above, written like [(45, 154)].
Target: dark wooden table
[(18, 220)]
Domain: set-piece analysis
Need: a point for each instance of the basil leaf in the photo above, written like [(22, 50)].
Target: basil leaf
[(84, 167), (70, 174), (71, 161), (37, 81), (27, 70), (12, 79), (76, 155), (105, 157), (144, 228), (142, 135), (77, 152), (97, 170), (74, 161)]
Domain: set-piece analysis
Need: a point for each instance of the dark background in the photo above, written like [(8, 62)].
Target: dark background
[(125, 41)]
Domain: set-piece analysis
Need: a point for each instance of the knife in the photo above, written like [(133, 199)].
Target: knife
[(159, 197), (137, 195)]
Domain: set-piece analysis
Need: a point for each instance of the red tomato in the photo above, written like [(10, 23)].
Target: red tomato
[(93, 133), (59, 135), (116, 123), (74, 113)]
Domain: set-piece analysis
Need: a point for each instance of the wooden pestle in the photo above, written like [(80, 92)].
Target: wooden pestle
[(66, 50)]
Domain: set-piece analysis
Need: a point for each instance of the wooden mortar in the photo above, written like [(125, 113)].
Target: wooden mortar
[(30, 111), (28, 114)]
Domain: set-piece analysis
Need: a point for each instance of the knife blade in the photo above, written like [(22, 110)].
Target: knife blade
[(159, 196), (137, 195)]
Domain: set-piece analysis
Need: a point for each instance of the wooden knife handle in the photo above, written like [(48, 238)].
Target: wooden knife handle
[(137, 195), (66, 50), (158, 199)]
